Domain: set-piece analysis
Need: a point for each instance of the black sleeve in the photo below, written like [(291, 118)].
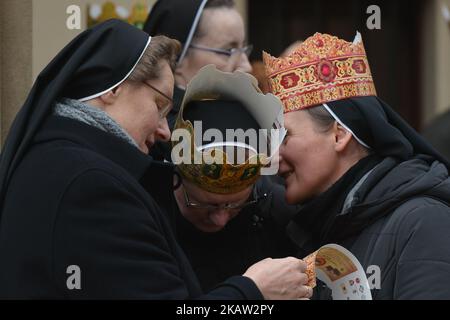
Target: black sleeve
[(120, 246), (237, 287), (423, 269)]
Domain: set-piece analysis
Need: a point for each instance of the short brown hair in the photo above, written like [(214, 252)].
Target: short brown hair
[(160, 48)]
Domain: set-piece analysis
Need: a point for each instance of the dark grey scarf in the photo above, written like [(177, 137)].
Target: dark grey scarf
[(77, 110)]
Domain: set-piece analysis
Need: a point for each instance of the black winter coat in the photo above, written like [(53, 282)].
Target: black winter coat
[(399, 220), (256, 233), (76, 200), (437, 133)]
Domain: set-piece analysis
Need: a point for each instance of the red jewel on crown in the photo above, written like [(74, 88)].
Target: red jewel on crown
[(326, 71)]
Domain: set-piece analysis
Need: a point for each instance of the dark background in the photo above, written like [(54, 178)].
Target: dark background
[(393, 51)]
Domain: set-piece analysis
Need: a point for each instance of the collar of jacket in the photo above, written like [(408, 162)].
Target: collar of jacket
[(391, 184), (312, 225), (115, 149)]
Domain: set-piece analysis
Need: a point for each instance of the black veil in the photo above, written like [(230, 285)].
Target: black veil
[(96, 61)]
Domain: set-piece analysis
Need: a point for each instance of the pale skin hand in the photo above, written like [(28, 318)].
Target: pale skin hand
[(280, 279)]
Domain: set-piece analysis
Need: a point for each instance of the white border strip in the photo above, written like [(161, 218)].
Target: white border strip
[(342, 124), (125, 78), (192, 31), (227, 144)]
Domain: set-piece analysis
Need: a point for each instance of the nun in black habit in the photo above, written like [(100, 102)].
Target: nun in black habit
[(211, 32), (365, 179), (76, 221)]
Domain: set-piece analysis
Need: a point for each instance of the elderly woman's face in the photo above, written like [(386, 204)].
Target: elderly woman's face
[(208, 219), (308, 160), (138, 108), (219, 28)]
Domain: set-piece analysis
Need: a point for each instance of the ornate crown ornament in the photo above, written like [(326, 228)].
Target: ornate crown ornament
[(209, 167), (136, 15), (323, 68)]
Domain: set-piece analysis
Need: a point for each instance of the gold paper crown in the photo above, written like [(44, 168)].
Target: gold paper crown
[(323, 68), (221, 177), (224, 177)]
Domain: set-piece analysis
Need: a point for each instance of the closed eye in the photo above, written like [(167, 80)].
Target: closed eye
[(286, 136)]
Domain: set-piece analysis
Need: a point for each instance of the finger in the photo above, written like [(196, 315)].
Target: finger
[(302, 266), (306, 292), (310, 291), (303, 278)]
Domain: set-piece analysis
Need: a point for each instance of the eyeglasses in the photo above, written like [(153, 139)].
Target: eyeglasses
[(227, 206), (164, 110), (247, 50)]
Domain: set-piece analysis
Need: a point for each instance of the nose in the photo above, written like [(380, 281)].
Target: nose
[(244, 65), (281, 152), (220, 217), (163, 131), (281, 160)]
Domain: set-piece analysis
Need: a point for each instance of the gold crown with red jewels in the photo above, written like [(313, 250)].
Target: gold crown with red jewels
[(323, 68)]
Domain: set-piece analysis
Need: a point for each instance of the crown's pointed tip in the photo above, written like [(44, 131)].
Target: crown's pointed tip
[(358, 38), (267, 57)]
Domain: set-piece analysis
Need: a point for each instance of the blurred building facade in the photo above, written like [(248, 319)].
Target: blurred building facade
[(409, 55)]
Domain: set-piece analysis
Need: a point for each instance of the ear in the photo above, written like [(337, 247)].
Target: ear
[(342, 137), (111, 96)]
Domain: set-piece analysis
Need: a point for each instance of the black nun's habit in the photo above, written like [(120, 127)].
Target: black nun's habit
[(178, 19), (90, 65), (79, 220)]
